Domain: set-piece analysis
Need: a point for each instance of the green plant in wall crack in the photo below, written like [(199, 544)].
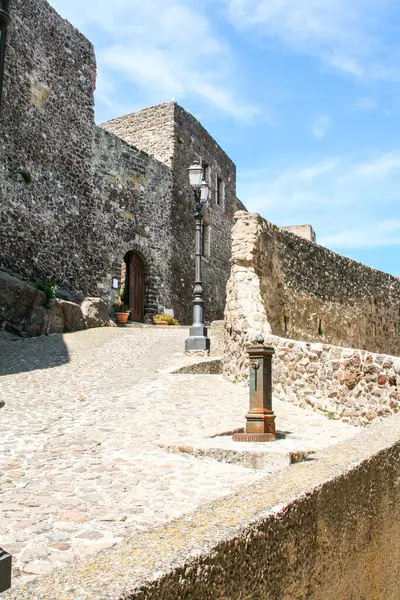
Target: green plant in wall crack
[(50, 289), (26, 176)]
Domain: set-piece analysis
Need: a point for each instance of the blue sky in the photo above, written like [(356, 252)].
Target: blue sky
[(304, 95)]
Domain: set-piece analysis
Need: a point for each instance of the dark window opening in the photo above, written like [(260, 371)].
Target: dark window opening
[(206, 173), (286, 323), (220, 192), (320, 328)]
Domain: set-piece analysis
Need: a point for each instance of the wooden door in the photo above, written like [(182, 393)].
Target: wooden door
[(136, 288)]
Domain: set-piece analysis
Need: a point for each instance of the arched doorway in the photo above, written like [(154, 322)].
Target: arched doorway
[(135, 285)]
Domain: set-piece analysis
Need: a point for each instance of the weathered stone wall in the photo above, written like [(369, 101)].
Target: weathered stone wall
[(191, 141), (74, 199), (304, 231), (355, 386), (132, 193), (326, 529), (152, 130), (293, 288), (175, 137), (277, 282), (45, 129)]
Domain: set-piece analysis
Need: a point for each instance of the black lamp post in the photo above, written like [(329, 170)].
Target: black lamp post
[(198, 336), (4, 20)]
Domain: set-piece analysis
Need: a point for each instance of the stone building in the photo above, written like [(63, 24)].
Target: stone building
[(78, 201), (174, 137)]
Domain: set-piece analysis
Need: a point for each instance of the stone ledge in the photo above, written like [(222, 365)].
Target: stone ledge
[(207, 366), (303, 532)]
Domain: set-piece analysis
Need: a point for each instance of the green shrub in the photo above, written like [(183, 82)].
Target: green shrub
[(50, 289), (120, 306)]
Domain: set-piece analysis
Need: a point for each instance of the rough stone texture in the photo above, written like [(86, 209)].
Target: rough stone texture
[(56, 321), (21, 306), (85, 440), (73, 316), (293, 288), (74, 199), (304, 231), (209, 366), (95, 312), (132, 212), (92, 197), (45, 130), (175, 137), (301, 534), (25, 311), (353, 385), (216, 334)]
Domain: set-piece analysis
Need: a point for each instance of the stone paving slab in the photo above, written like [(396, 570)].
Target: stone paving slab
[(86, 420)]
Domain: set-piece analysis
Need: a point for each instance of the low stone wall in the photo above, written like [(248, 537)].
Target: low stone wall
[(300, 290), (326, 529), (355, 386)]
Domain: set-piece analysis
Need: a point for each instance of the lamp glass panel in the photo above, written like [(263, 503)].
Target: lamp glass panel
[(205, 191), (195, 175)]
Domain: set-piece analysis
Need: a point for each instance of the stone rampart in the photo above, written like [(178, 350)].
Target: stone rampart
[(74, 199), (327, 529), (291, 287), (281, 284)]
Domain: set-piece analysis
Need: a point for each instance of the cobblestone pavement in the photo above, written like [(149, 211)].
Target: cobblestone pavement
[(87, 416)]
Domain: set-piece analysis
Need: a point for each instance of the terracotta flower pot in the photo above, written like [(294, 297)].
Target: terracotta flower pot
[(121, 317), (162, 324)]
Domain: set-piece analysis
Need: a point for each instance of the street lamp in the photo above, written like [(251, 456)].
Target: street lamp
[(198, 336), (4, 20)]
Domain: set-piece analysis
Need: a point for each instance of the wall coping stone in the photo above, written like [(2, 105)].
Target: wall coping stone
[(131, 569)]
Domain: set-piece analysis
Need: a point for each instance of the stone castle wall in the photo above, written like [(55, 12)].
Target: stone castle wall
[(74, 199), (304, 231), (132, 199), (277, 280), (192, 140), (306, 292), (175, 137)]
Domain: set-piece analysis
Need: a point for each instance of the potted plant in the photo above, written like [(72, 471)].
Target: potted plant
[(160, 320), (164, 320), (121, 312)]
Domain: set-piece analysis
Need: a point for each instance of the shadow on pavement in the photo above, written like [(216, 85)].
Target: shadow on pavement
[(18, 355)]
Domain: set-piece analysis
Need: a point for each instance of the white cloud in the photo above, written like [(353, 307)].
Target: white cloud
[(348, 35), (365, 104), (351, 203), (321, 126), (379, 168), (381, 233), (164, 49)]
